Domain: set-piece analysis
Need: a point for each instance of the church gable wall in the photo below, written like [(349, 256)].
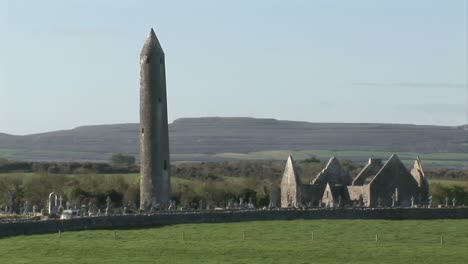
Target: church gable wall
[(393, 178)]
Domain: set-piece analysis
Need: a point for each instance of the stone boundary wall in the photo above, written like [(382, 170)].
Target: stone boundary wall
[(168, 218)]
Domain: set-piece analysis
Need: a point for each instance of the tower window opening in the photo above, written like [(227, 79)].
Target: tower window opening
[(165, 165), (142, 130), (159, 99)]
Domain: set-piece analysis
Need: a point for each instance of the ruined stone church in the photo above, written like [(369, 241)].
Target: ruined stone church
[(377, 185)]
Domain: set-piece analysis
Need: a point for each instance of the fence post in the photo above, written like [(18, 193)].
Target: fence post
[(60, 234), (243, 235), (441, 239), (115, 235), (312, 235), (376, 237)]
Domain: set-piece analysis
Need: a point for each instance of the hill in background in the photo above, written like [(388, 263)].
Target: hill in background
[(218, 138)]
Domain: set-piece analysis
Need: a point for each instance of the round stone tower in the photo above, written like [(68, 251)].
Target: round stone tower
[(155, 183)]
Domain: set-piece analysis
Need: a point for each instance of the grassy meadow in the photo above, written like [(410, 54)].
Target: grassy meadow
[(459, 160), (439, 159), (297, 241)]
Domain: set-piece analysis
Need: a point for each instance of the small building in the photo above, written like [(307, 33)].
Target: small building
[(377, 185)]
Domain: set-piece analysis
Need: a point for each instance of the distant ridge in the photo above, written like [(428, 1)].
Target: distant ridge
[(212, 135)]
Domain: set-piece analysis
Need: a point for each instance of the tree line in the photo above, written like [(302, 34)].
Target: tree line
[(214, 183)]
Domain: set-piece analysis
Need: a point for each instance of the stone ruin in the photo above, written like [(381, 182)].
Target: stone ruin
[(377, 185)]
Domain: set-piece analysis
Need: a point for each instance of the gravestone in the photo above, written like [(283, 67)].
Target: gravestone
[(108, 205), (172, 205), (60, 203), (25, 208), (52, 203)]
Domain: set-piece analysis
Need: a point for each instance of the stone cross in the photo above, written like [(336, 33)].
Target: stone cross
[(393, 200), (454, 201), (412, 201), (61, 202), (446, 200), (430, 202), (67, 205)]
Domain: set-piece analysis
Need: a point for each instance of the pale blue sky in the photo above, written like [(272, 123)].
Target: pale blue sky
[(69, 63)]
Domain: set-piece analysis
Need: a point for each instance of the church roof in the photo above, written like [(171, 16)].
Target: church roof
[(151, 45)]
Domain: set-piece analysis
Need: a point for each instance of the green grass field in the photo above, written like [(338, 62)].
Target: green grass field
[(449, 183), (5, 153), (459, 160), (334, 241), (456, 160)]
